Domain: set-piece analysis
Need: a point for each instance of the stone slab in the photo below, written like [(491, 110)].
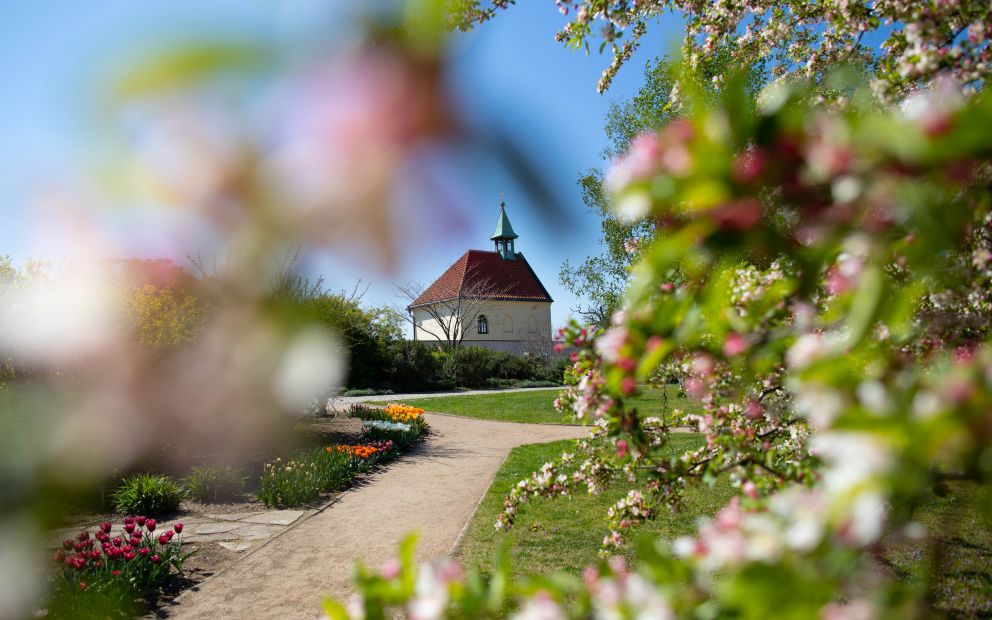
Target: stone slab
[(214, 528), (237, 545), (221, 536), (275, 517), (258, 531), (234, 516)]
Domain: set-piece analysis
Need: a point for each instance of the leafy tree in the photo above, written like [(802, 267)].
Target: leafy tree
[(804, 40), (163, 316), (836, 392), (600, 280)]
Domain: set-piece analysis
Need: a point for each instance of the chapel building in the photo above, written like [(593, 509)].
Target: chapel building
[(490, 299)]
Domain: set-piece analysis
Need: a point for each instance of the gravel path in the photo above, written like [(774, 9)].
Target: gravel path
[(432, 490)]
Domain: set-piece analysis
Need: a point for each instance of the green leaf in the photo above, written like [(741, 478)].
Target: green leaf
[(335, 610)]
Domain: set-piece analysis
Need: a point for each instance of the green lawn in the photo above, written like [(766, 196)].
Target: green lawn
[(536, 406), (961, 521), (565, 533)]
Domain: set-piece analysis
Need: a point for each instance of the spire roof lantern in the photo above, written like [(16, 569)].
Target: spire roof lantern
[(503, 228)]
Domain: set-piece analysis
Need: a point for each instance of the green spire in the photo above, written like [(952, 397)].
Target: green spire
[(504, 234), (503, 228)]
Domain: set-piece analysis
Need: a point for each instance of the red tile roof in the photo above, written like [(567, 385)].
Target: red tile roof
[(488, 273)]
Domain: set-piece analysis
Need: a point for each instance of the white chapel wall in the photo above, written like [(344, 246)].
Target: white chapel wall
[(514, 326)]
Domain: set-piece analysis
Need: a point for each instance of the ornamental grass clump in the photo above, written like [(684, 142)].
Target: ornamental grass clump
[(107, 574), (148, 494), (214, 483)]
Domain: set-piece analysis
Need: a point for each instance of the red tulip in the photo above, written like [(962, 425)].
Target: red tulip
[(129, 527), (150, 524), (128, 520), (115, 573), (82, 585), (155, 559), (141, 520), (106, 525), (163, 539), (128, 556), (144, 550), (178, 527)]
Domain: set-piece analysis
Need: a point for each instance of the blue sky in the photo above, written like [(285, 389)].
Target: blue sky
[(510, 73)]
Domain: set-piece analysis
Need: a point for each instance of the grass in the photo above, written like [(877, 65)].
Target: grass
[(564, 534), (960, 520), (536, 406)]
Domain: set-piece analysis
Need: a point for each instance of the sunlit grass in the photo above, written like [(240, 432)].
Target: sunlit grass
[(565, 533), (537, 406)]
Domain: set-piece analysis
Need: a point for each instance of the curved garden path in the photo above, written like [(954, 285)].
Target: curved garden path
[(432, 490)]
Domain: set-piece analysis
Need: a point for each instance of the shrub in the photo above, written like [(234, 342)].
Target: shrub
[(470, 366), (147, 494), (416, 366), (213, 483), (496, 383), (94, 580), (366, 392)]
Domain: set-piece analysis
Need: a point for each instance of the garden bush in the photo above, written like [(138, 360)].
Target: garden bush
[(419, 366), (416, 366), (366, 392), (470, 366), (212, 483), (147, 494), (497, 383)]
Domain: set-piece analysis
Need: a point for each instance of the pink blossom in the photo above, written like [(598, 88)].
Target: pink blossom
[(622, 448), (734, 344), (390, 570)]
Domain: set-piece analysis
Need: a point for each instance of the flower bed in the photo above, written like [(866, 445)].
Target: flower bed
[(108, 573), (376, 449), (302, 479), (402, 413)]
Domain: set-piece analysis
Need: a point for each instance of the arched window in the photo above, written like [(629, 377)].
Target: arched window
[(508, 323), (483, 324), (532, 324)]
